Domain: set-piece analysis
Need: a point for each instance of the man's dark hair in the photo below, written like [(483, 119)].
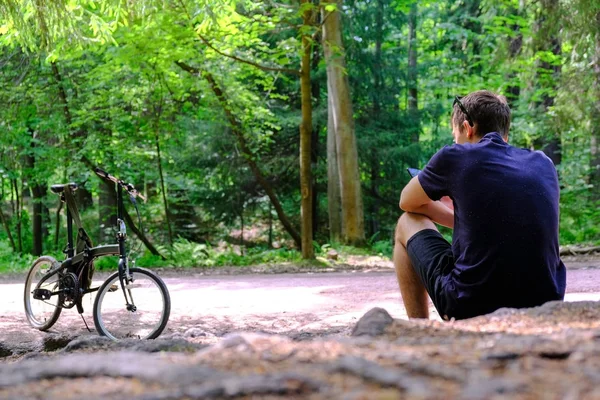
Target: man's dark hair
[(489, 112)]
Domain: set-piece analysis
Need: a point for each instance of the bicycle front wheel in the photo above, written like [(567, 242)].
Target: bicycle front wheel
[(146, 315), (42, 312)]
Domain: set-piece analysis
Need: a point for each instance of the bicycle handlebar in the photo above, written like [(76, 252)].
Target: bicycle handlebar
[(127, 186)]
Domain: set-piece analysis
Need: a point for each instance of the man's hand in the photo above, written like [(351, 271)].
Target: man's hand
[(414, 199)]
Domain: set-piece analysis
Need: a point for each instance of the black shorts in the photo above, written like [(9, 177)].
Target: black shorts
[(432, 258)]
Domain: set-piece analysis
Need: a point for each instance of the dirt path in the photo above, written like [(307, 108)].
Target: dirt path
[(297, 305)]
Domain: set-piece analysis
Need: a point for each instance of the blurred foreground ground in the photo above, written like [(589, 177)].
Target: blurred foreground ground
[(552, 350)]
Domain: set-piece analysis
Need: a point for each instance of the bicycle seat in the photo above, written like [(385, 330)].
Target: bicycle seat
[(58, 189)]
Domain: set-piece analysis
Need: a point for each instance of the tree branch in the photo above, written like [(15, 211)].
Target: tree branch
[(142, 236), (237, 130), (188, 68), (259, 66)]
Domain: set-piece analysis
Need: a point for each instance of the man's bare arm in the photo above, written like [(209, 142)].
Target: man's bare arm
[(414, 199)]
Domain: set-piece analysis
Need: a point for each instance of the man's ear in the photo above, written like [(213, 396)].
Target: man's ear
[(469, 130)]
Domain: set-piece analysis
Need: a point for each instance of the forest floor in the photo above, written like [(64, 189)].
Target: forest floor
[(306, 315)]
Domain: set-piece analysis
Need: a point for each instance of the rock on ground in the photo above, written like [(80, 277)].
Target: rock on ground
[(373, 323), (549, 352)]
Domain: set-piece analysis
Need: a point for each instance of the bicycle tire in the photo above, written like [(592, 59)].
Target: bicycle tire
[(111, 310), (46, 322)]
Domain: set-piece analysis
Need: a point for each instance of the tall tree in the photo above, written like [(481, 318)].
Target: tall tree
[(306, 128), (353, 231), (595, 114), (548, 50), (38, 193), (413, 98), (333, 179)]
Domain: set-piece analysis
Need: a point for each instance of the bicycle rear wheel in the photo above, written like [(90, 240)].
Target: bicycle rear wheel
[(42, 314), (150, 312)]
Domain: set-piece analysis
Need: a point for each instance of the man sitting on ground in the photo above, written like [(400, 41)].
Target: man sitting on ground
[(502, 203)]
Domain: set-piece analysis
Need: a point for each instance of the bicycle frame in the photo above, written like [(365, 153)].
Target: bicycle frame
[(94, 252)]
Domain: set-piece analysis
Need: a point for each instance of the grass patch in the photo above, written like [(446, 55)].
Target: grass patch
[(186, 254), (11, 262)]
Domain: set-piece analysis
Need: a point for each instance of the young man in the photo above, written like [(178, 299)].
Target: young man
[(502, 203)]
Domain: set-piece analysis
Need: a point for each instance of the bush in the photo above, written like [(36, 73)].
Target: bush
[(11, 261), (187, 254), (383, 248), (579, 220)]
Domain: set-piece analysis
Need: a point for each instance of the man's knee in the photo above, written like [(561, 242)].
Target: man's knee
[(409, 224)]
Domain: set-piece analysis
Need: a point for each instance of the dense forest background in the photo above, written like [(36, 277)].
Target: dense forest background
[(253, 125)]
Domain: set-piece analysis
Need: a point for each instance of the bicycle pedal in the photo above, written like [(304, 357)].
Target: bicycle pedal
[(113, 288)]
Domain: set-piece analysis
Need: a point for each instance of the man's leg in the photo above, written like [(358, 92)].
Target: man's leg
[(414, 294)]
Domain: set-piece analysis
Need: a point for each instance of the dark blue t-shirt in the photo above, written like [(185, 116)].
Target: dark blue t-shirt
[(505, 239)]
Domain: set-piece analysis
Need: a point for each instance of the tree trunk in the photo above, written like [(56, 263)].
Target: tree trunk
[(162, 179), (242, 233), (37, 228), (305, 141), (595, 159), (413, 105), (37, 198), (107, 208), (314, 154), (378, 61), (5, 222), (270, 226), (513, 91), (373, 219), (547, 34), (372, 216), (353, 231), (46, 221), (595, 119), (57, 225), (333, 179), (17, 214), (83, 197), (40, 215)]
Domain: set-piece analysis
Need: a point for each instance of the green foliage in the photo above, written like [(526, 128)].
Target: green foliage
[(383, 248), (184, 253), (579, 221), (12, 262), (187, 254), (104, 80), (258, 256), (109, 264)]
